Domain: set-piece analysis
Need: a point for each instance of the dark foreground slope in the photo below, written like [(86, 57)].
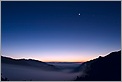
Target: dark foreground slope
[(28, 63), (106, 68)]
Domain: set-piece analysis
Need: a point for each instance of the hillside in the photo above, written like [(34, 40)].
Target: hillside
[(29, 63), (106, 68)]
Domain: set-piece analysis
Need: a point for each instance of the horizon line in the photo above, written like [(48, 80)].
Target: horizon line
[(44, 61)]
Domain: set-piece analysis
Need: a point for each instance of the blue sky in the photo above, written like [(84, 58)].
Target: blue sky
[(53, 31)]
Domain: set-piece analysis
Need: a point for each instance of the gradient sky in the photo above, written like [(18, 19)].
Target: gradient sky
[(53, 31)]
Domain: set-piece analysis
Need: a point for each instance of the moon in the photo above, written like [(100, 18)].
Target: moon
[(79, 14)]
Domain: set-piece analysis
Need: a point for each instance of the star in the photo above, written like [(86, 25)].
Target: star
[(79, 14)]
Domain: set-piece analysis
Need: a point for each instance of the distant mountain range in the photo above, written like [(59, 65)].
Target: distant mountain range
[(106, 68), (29, 63)]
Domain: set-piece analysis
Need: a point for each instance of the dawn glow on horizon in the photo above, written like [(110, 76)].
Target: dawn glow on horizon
[(63, 31)]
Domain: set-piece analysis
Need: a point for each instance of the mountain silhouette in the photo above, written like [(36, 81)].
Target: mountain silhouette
[(4, 79), (107, 68), (29, 63)]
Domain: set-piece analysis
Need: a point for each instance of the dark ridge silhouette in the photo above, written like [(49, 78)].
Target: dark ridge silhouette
[(107, 68), (4, 79), (29, 62)]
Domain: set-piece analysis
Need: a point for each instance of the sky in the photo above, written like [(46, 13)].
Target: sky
[(55, 32)]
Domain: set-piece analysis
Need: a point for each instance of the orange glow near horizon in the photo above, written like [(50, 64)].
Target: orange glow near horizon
[(66, 59), (53, 57), (58, 58)]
